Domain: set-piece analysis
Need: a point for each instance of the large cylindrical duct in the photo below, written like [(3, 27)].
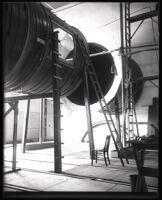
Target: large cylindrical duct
[(27, 51), (137, 87), (27, 62), (104, 67)]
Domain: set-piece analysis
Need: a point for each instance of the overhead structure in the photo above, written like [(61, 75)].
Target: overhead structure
[(129, 82)]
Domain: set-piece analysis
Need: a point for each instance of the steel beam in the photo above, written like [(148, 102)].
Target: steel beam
[(147, 78), (143, 16), (30, 96)]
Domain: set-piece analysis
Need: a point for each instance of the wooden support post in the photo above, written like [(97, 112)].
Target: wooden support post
[(56, 105), (41, 126), (88, 113), (15, 136), (43, 120), (25, 126)]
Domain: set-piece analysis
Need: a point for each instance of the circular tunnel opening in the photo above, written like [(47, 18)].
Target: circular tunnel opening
[(104, 67), (137, 87)]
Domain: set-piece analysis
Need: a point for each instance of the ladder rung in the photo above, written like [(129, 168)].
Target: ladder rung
[(41, 41), (58, 77), (59, 157), (59, 116), (57, 65), (59, 129)]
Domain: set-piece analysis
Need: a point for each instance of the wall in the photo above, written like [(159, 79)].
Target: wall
[(33, 125)]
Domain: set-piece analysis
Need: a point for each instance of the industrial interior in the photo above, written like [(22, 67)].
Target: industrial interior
[(81, 97)]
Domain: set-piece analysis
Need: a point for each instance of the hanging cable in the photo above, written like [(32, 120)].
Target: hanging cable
[(67, 8), (123, 17)]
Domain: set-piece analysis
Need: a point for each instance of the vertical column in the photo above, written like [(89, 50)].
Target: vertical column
[(41, 126), (15, 135), (56, 104), (117, 116), (25, 126), (123, 76), (88, 113), (43, 120)]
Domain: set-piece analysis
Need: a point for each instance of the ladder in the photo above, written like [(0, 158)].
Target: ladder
[(109, 120), (107, 113), (131, 114), (56, 79)]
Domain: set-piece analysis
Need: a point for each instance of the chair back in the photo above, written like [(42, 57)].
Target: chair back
[(107, 143)]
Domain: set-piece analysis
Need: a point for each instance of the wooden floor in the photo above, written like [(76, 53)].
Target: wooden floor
[(37, 172)]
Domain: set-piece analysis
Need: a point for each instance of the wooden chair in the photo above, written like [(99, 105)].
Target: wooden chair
[(100, 153)]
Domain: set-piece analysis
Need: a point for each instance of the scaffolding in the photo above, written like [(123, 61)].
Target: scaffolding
[(128, 107)]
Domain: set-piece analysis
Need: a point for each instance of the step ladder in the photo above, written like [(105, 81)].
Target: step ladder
[(107, 114)]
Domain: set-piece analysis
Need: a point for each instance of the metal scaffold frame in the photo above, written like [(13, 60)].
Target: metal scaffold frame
[(128, 107)]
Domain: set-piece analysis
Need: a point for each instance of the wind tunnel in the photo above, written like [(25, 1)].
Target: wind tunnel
[(27, 60)]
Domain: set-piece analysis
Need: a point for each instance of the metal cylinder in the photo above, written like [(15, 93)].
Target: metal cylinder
[(137, 87), (27, 28), (27, 62)]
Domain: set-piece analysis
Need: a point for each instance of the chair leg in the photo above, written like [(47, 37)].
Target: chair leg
[(108, 158), (105, 158)]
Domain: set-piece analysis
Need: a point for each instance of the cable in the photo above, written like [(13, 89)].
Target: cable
[(123, 17), (67, 8)]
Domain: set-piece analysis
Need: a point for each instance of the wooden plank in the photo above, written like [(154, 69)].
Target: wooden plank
[(25, 125), (15, 136), (143, 16), (56, 106)]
